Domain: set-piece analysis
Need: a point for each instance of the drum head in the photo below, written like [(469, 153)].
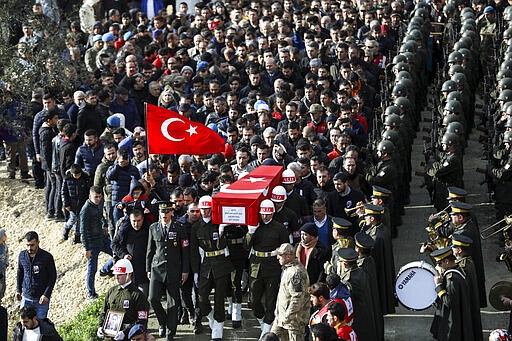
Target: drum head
[(415, 287)]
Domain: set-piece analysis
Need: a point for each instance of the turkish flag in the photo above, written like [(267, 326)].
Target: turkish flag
[(171, 133)]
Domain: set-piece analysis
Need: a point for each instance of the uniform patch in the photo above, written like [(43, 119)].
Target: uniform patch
[(184, 243), (35, 268), (142, 314), (297, 282), (349, 203), (215, 235), (172, 235), (126, 304)]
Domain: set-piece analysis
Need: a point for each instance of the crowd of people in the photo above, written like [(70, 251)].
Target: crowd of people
[(332, 91)]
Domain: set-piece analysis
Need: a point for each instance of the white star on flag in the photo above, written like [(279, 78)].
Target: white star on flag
[(253, 180), (191, 130)]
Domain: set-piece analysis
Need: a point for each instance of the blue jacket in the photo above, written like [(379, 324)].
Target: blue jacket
[(130, 112), (36, 277), (120, 178), (89, 158)]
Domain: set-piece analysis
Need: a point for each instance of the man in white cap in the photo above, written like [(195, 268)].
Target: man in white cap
[(284, 215), (124, 297), (265, 270), (213, 268)]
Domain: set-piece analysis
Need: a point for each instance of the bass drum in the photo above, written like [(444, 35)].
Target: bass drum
[(415, 287)]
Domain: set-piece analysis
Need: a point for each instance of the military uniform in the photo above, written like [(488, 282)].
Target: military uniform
[(502, 178), (453, 316), (213, 269), (447, 172), (382, 252), (265, 271), (345, 241), (289, 219), (167, 258), (129, 300), (238, 254)]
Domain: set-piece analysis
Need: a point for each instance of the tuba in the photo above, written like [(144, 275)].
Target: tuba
[(436, 241)]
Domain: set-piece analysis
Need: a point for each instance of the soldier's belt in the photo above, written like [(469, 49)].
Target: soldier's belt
[(214, 253), (264, 254), (236, 241)]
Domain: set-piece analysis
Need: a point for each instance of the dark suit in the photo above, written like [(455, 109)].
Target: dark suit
[(168, 256)]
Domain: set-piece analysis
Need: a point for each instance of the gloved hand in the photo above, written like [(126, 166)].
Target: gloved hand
[(119, 336), (196, 279), (222, 227), (99, 333), (252, 229)]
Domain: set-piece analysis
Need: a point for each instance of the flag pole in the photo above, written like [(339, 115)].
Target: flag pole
[(146, 136)]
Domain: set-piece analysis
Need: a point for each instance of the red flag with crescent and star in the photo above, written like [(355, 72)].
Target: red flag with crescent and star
[(171, 133)]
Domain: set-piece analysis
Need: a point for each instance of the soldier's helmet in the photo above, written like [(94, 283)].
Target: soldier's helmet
[(386, 146)]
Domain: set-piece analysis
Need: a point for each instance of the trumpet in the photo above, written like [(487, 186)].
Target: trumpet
[(484, 234), (436, 241), (443, 215), (352, 212)]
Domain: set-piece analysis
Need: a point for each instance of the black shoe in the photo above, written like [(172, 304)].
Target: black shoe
[(92, 296), (228, 316), (77, 240), (198, 328), (106, 273), (161, 331), (60, 219), (50, 216), (25, 175), (39, 186), (236, 324), (11, 175), (65, 235)]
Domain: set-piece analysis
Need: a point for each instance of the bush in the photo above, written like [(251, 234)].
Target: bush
[(84, 326)]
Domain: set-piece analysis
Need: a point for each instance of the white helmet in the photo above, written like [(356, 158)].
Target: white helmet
[(288, 177), (267, 207), (278, 194), (122, 267), (205, 202)]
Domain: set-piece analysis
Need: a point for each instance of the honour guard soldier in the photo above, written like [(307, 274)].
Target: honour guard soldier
[(341, 233), (285, 215), (213, 269), (265, 271), (295, 201), (459, 194), (460, 249), (358, 283), (452, 320), (238, 255), (364, 246), (167, 265), (125, 297), (383, 255), (383, 197)]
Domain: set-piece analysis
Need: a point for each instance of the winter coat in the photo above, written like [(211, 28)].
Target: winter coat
[(46, 134), (90, 118), (292, 309), (100, 178), (120, 178), (91, 225), (89, 158), (75, 191), (67, 152)]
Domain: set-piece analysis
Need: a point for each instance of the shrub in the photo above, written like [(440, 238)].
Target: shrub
[(84, 326)]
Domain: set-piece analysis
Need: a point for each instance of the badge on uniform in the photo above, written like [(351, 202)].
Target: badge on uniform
[(349, 203), (142, 315), (126, 304), (172, 235), (35, 269), (215, 235), (184, 243)]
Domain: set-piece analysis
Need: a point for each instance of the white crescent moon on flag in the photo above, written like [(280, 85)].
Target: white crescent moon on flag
[(165, 129)]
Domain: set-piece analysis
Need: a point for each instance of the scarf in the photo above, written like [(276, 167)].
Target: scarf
[(304, 250)]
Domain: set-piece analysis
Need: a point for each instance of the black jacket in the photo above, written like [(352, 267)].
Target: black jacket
[(89, 118), (36, 277), (75, 191), (46, 134), (46, 326)]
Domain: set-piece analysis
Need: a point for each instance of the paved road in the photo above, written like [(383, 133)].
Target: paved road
[(406, 324)]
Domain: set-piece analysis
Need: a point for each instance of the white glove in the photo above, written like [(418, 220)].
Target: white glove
[(252, 229), (99, 333), (222, 227), (196, 279), (119, 336)]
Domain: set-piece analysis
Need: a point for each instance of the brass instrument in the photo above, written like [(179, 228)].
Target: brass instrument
[(506, 254), (508, 222), (352, 212), (436, 241)]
